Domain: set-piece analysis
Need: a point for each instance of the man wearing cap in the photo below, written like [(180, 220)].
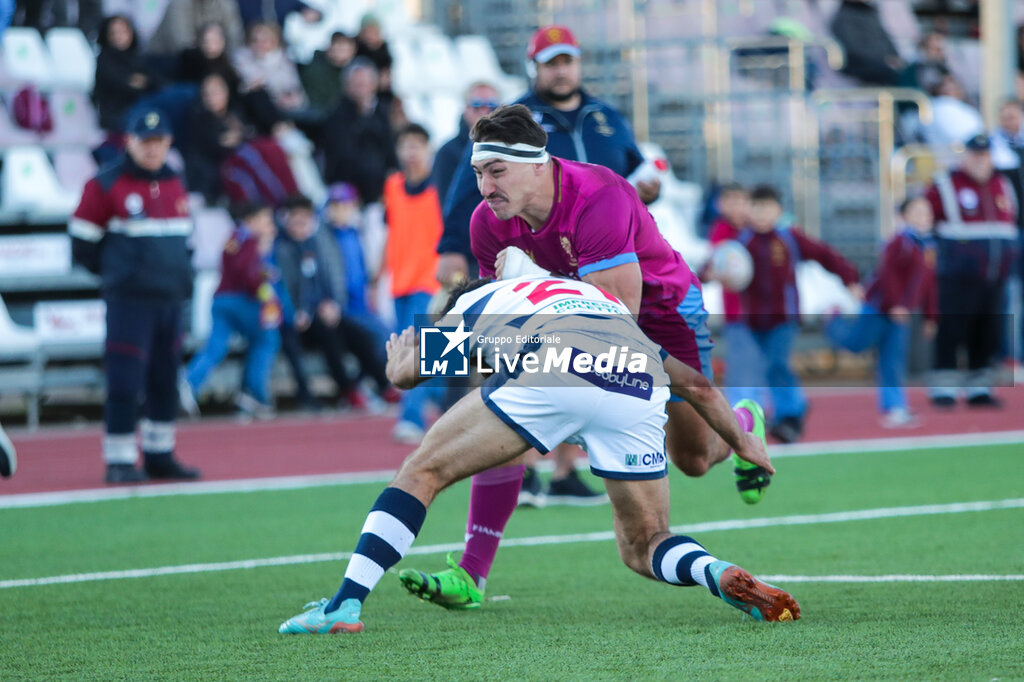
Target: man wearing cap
[(579, 128), (975, 215), (130, 228)]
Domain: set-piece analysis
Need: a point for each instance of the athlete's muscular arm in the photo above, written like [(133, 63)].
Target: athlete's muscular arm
[(711, 405), (622, 281)]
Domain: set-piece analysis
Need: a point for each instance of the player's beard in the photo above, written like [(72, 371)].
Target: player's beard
[(558, 97)]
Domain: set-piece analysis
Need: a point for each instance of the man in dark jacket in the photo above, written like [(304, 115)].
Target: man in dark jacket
[(871, 56), (358, 141), (131, 228), (457, 259)]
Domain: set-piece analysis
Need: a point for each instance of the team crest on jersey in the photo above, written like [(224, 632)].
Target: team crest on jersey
[(778, 253), (567, 245), (133, 204), (968, 199), (602, 124)]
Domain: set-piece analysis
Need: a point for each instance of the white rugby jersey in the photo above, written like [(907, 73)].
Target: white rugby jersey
[(545, 315)]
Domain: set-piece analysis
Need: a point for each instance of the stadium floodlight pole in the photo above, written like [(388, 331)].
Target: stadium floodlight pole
[(997, 57)]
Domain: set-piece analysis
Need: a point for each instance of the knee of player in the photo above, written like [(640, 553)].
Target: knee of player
[(691, 466)]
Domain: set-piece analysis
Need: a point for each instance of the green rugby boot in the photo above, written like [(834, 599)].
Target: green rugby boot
[(453, 588), (751, 479), (762, 601)]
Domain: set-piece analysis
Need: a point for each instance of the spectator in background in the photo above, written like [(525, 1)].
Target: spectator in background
[(414, 229), (358, 142), (457, 260), (248, 302), (314, 275), (226, 156), (208, 56), (927, 71), (321, 78), (953, 118), (218, 129), (363, 333), (904, 285), (371, 44), (733, 216), (276, 11), (131, 228), (759, 345), (975, 216), (184, 19), (871, 56), (122, 76), (1008, 149), (263, 63)]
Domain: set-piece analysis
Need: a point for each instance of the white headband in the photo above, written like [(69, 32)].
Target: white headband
[(520, 152)]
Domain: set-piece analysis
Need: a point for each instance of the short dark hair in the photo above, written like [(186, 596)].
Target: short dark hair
[(298, 201), (509, 124), (243, 210), (413, 129), (340, 35), (731, 188), (765, 193), (905, 204), (463, 287)]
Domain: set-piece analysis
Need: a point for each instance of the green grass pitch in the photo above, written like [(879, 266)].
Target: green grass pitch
[(564, 611)]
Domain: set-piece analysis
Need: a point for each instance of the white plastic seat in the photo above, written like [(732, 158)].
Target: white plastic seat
[(21, 344), (74, 168), (203, 288), (438, 65), (213, 228), (26, 59), (28, 184), (74, 120), (477, 61), (74, 64), (442, 120)]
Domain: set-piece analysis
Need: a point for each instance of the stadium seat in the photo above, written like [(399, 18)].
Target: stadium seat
[(29, 186), (74, 121), (25, 59), (74, 64), (439, 70), (213, 227), (203, 287), (476, 60), (442, 118), (22, 358), (74, 167)]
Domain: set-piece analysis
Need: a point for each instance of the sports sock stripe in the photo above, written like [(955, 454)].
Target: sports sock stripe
[(681, 560), (387, 535)]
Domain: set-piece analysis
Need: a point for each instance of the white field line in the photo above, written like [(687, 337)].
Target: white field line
[(248, 485), (893, 578), (600, 536)]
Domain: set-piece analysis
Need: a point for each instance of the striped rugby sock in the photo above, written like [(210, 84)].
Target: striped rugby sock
[(681, 560), (390, 528)]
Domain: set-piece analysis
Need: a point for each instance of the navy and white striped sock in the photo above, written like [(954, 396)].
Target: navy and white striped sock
[(681, 560), (390, 528)]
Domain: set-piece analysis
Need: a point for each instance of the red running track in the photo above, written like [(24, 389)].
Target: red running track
[(69, 459)]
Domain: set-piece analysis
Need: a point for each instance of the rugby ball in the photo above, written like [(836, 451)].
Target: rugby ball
[(732, 266)]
